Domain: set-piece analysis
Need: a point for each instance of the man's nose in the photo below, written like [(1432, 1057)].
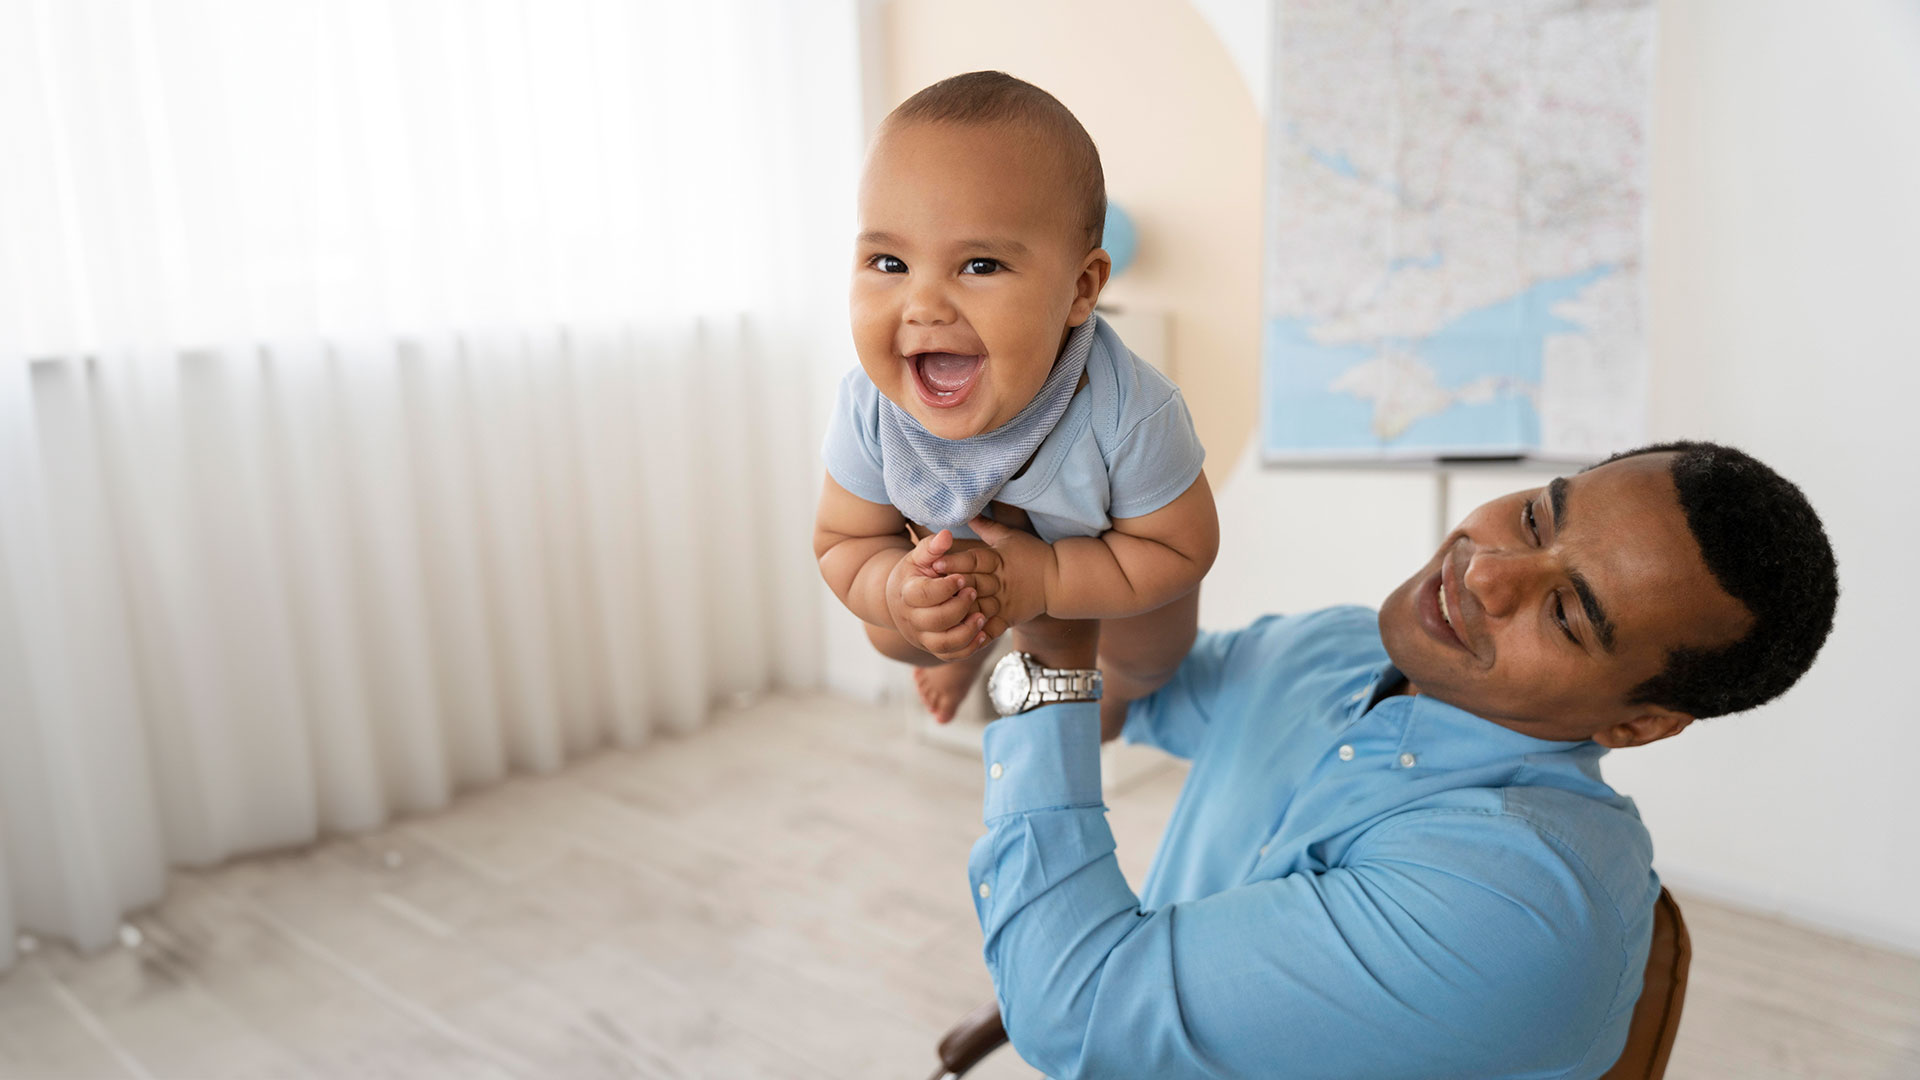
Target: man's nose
[(1502, 580), (927, 304)]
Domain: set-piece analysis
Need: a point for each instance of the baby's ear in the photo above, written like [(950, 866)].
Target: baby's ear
[(1094, 271)]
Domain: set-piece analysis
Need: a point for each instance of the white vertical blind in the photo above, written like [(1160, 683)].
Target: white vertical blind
[(394, 393)]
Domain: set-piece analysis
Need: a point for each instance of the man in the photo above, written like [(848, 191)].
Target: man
[(1394, 855)]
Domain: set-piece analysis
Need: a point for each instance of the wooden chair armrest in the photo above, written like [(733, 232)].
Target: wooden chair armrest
[(978, 1034)]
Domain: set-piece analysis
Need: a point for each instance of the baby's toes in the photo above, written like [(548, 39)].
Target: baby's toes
[(930, 695)]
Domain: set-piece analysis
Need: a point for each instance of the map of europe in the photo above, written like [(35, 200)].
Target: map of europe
[(1456, 211)]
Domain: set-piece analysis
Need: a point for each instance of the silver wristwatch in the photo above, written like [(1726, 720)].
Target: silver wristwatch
[(1019, 683)]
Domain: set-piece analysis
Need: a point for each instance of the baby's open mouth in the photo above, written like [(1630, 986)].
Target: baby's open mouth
[(945, 379)]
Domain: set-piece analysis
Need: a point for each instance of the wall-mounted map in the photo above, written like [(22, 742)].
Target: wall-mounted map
[(1456, 213)]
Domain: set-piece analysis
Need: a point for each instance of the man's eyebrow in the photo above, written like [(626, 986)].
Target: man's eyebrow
[(1596, 615)]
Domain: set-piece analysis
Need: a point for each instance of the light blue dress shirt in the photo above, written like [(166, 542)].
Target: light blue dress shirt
[(1351, 884)]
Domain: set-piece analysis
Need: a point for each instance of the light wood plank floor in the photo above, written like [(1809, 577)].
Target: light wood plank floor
[(781, 895)]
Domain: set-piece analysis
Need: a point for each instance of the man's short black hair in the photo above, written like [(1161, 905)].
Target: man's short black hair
[(1767, 549), (995, 97)]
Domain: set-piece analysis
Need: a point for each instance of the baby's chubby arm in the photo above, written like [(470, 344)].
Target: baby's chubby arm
[(888, 581), (1140, 564)]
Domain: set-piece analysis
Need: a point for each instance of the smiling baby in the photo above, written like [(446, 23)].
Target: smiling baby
[(990, 394)]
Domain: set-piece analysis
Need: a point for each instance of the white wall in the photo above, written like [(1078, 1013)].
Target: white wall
[(1785, 291)]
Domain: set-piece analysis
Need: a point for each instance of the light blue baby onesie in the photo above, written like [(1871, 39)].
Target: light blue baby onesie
[(1125, 447)]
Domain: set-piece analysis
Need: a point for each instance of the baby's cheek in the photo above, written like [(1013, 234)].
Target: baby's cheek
[(874, 345), (868, 311)]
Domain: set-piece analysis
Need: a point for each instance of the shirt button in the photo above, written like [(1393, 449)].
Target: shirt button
[(1346, 753), (996, 772), (986, 890), (1263, 849), (1406, 761), (1358, 695)]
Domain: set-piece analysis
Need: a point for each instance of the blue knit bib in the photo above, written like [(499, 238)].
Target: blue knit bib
[(945, 483)]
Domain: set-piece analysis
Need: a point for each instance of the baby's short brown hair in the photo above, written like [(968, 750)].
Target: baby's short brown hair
[(995, 97)]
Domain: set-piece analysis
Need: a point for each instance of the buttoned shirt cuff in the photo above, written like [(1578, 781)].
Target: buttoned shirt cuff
[(1046, 759)]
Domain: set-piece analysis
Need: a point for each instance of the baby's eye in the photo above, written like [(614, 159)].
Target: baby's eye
[(981, 266), (887, 264)]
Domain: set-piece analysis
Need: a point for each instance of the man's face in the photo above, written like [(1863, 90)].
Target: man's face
[(968, 272), (1545, 608)]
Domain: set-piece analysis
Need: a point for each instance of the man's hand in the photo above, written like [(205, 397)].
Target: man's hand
[(949, 613)]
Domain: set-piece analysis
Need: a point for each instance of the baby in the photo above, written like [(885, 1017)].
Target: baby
[(986, 378)]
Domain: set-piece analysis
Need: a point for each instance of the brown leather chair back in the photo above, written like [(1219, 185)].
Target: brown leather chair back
[(1656, 1016)]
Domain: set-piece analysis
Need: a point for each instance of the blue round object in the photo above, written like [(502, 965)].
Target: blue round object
[(1120, 240)]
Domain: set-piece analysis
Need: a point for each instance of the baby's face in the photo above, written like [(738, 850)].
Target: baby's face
[(969, 271)]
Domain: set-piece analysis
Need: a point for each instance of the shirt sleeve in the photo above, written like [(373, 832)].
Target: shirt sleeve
[(1156, 461), (1412, 960), (852, 449), (1176, 717)]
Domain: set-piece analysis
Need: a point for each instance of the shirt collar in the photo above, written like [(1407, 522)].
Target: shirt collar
[(1444, 736)]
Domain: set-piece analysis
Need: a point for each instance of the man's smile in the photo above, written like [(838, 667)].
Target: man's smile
[(1442, 604)]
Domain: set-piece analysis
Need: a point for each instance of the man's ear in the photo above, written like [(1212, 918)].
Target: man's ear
[(1651, 725), (1086, 288)]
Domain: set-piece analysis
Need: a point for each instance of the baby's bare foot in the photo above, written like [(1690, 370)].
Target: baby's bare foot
[(943, 688)]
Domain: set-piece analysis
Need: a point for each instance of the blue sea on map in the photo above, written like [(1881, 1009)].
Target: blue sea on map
[(1505, 340)]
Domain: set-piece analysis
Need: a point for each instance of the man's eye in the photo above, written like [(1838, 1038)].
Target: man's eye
[(981, 266), (887, 264), (1560, 616), (1533, 527)]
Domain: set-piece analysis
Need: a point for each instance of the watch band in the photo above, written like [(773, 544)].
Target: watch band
[(1052, 685), (1020, 673)]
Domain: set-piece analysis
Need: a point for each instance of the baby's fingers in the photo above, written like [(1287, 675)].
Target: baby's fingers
[(942, 616), (932, 591), (978, 560), (927, 551), (957, 642), (979, 642)]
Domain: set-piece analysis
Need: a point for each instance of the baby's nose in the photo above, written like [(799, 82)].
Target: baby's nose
[(928, 305)]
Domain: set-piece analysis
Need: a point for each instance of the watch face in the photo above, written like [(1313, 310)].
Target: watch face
[(1009, 684)]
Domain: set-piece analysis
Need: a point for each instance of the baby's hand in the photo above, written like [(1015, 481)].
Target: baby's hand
[(946, 614), (1017, 560)]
